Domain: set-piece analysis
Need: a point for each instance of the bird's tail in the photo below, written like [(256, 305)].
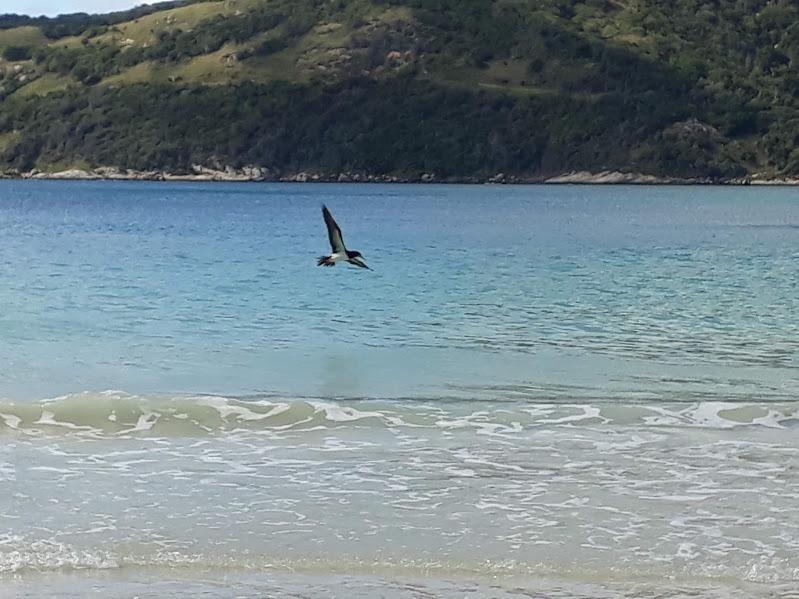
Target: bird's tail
[(325, 261)]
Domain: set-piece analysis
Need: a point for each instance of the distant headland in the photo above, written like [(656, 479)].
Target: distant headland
[(559, 91)]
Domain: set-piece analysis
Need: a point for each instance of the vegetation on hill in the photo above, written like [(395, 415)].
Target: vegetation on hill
[(458, 88), (79, 23)]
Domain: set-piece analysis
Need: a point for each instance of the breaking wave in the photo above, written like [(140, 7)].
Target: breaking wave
[(114, 413)]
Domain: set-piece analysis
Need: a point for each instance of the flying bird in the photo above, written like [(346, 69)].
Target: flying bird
[(339, 252)]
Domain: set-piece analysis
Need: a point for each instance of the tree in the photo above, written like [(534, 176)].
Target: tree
[(16, 53)]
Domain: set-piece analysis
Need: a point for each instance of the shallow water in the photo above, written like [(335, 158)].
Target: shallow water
[(539, 391)]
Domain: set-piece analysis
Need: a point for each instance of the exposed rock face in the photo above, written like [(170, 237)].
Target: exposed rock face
[(608, 177), (198, 173), (73, 173), (694, 129), (111, 172), (259, 173), (758, 181)]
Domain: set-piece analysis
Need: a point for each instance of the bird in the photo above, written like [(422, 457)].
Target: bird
[(339, 252)]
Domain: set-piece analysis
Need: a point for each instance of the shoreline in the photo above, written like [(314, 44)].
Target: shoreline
[(258, 174)]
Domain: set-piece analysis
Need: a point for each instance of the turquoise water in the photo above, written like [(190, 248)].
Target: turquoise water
[(204, 288), (578, 390)]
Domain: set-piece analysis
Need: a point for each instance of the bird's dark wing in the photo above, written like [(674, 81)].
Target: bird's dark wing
[(357, 262), (333, 232)]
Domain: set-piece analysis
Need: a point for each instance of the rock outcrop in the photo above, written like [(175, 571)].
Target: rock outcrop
[(258, 173)]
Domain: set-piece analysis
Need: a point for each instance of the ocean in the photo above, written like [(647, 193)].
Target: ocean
[(538, 391)]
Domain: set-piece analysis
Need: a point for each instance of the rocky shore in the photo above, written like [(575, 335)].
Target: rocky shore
[(256, 173)]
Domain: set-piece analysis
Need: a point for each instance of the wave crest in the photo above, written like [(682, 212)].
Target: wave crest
[(113, 413)]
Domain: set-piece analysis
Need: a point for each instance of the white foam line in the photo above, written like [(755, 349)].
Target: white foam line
[(463, 472), (588, 412), (494, 464), (770, 420), (342, 413), (291, 425), (52, 469), (679, 498), (225, 409), (11, 420), (145, 422), (48, 418)]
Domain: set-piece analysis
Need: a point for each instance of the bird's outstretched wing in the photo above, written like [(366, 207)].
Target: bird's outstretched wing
[(333, 232)]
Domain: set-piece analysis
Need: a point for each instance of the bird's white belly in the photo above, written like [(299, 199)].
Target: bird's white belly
[(338, 257)]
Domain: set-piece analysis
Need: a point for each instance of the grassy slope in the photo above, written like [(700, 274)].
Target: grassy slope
[(22, 36), (144, 29), (631, 71)]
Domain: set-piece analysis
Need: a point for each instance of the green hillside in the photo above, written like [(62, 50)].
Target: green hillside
[(462, 89)]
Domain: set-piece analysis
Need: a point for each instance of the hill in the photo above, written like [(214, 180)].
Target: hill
[(461, 89)]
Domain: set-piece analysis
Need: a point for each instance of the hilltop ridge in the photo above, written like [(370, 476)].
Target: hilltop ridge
[(450, 89)]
